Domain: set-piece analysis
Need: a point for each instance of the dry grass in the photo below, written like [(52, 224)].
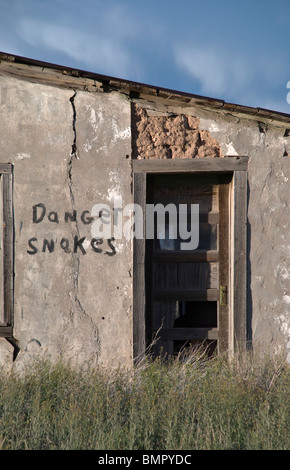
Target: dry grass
[(186, 403)]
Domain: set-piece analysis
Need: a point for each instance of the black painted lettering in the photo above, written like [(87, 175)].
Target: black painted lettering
[(36, 218), (49, 245), (72, 216), (94, 242), (113, 252), (78, 244), (86, 220), (33, 248), (64, 243), (53, 217)]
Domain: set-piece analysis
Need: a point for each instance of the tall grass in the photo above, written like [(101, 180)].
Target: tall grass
[(175, 405)]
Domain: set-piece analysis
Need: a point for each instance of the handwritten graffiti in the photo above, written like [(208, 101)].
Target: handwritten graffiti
[(39, 212), (77, 244)]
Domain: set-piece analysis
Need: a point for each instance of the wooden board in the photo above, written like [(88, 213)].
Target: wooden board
[(182, 256), (181, 294), (240, 260), (186, 276), (139, 341), (176, 334), (6, 331), (8, 242), (224, 250), (226, 164)]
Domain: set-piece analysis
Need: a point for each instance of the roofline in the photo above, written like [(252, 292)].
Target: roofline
[(106, 79)]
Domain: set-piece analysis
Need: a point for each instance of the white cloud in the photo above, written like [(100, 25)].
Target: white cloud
[(217, 72), (103, 52), (224, 73)]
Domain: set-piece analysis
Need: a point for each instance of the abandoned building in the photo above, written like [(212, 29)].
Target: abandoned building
[(80, 153)]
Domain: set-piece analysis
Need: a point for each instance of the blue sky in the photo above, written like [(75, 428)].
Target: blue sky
[(238, 51)]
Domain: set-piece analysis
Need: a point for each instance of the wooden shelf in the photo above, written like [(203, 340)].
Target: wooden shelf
[(181, 294), (180, 256), (180, 334)]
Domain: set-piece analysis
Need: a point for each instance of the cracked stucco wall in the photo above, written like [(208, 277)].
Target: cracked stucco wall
[(71, 150), (216, 133), (267, 147), (72, 297)]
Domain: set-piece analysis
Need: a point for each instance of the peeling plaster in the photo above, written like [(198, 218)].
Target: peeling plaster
[(286, 299), (120, 134), (283, 321), (285, 273), (87, 147), (281, 175), (172, 136), (230, 150), (21, 156), (114, 191)]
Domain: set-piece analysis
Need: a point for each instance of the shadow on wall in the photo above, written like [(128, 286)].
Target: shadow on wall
[(249, 290)]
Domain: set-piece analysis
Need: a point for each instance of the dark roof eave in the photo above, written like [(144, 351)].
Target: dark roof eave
[(267, 113)]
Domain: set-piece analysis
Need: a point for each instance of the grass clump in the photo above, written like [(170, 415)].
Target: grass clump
[(174, 405)]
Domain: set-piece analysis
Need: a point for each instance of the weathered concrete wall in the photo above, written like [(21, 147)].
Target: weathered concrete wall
[(69, 153), (72, 150), (267, 144), (268, 224)]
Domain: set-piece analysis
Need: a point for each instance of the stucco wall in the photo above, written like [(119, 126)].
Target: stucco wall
[(268, 223), (267, 144), (72, 150)]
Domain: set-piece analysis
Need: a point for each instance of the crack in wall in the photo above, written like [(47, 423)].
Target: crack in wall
[(73, 154), (76, 303), (74, 144)]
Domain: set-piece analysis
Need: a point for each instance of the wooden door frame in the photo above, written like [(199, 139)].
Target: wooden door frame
[(6, 326), (237, 166)]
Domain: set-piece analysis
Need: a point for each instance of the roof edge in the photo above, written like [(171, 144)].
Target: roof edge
[(218, 103)]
